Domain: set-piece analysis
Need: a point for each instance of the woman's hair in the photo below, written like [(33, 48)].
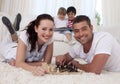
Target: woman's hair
[(81, 18), (62, 11), (32, 35), (71, 9)]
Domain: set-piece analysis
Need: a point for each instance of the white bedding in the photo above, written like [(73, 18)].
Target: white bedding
[(13, 75)]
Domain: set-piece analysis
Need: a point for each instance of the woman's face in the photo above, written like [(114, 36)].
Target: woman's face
[(44, 31)]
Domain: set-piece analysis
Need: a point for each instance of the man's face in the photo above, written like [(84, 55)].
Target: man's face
[(83, 32)]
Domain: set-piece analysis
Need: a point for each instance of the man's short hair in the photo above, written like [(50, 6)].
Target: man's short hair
[(81, 18)]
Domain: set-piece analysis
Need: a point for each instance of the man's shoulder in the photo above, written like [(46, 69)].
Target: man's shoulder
[(100, 34)]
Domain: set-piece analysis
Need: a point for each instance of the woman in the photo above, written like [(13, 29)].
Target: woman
[(35, 45)]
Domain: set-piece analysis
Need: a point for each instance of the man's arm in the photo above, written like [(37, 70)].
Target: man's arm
[(95, 66), (62, 59), (68, 57)]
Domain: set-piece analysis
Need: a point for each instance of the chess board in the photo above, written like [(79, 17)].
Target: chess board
[(60, 70)]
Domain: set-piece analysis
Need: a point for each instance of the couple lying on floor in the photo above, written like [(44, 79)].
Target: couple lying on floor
[(35, 45)]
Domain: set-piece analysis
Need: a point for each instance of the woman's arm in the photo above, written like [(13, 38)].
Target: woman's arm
[(20, 60), (48, 54), (21, 54)]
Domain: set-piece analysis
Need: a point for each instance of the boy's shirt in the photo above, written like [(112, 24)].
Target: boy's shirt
[(70, 23)]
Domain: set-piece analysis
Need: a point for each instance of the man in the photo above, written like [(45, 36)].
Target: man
[(99, 49)]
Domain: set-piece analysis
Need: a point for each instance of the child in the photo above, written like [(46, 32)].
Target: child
[(61, 24), (35, 45), (60, 21), (71, 12)]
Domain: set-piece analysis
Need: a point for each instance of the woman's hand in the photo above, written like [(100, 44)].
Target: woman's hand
[(11, 62), (38, 71)]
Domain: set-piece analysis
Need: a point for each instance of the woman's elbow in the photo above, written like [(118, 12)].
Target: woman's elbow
[(18, 64)]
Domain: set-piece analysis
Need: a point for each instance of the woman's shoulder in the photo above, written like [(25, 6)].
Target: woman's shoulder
[(23, 36)]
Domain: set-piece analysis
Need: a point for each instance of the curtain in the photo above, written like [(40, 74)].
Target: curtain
[(111, 13), (87, 7), (12, 7), (0, 4), (31, 8), (35, 7), (52, 6), (49, 6)]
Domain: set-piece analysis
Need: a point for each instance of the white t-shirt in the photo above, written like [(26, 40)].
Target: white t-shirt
[(102, 43), (8, 47), (60, 23), (34, 55)]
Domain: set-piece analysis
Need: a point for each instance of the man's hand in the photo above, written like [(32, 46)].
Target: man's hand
[(75, 63), (60, 60)]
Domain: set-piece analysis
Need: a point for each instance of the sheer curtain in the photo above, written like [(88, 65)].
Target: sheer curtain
[(32, 8), (87, 7), (14, 6), (111, 13), (35, 7), (49, 6)]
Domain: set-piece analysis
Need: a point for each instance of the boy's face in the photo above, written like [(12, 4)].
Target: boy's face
[(71, 15), (61, 17)]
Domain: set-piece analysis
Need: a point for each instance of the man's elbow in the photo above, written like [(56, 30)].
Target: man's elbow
[(96, 71)]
